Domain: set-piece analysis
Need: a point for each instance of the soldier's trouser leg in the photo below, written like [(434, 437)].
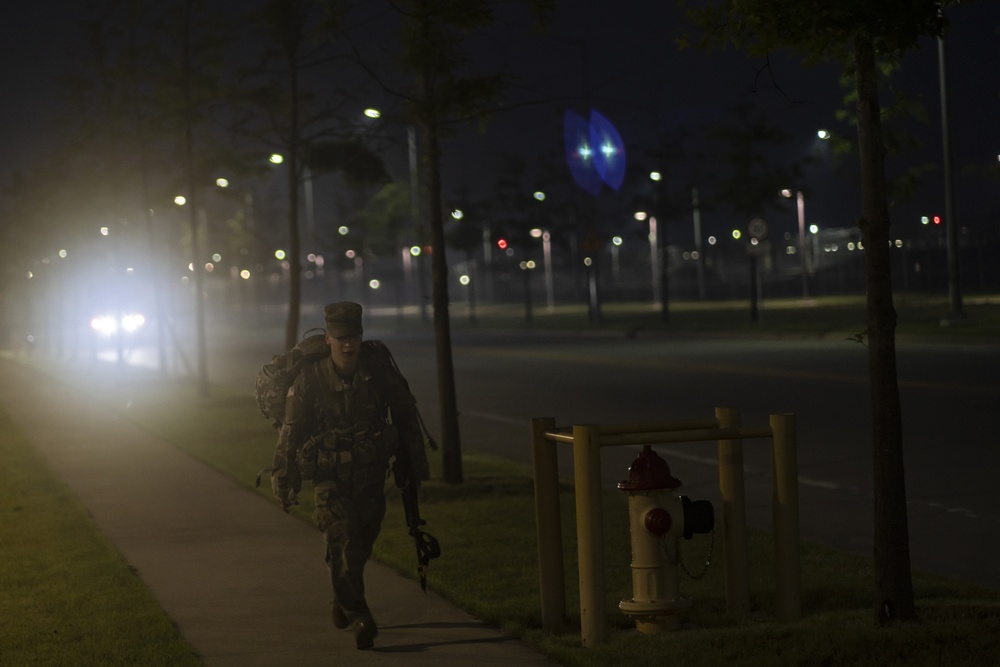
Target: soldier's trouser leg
[(350, 526)]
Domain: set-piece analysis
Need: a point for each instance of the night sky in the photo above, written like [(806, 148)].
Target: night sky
[(622, 62)]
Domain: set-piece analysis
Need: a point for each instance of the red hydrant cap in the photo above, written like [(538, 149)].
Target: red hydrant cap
[(649, 472), (658, 521)]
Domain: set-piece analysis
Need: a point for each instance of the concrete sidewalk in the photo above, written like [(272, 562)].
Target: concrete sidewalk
[(244, 582)]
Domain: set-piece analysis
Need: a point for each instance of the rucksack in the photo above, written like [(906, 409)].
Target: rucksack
[(274, 379)]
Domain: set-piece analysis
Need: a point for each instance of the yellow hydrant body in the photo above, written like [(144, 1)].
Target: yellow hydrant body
[(658, 518)]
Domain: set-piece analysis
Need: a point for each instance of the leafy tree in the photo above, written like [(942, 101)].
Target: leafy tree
[(308, 130), (858, 33), (445, 90)]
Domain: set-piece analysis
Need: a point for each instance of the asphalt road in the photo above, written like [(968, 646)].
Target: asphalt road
[(950, 396)]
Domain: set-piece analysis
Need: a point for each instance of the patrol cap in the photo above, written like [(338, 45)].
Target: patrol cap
[(343, 319)]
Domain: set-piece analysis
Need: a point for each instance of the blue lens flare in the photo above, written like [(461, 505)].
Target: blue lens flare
[(594, 151), (610, 157), (579, 154)]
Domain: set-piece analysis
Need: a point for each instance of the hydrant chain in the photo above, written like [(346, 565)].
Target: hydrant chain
[(708, 560)]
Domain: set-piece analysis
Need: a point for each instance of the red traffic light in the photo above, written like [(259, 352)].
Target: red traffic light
[(502, 244)]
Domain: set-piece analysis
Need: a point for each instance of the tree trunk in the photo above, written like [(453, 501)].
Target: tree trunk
[(294, 245), (893, 583), (193, 189), (451, 447)]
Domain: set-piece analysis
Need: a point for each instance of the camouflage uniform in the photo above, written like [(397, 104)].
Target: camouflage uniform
[(341, 435)]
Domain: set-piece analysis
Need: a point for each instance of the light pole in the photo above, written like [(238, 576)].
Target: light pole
[(654, 253), (957, 311), (800, 201), (546, 237), (663, 248), (415, 208), (700, 261)]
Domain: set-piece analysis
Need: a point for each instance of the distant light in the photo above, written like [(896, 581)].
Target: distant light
[(823, 134), (245, 274), (342, 230), (374, 284), (216, 257), (640, 215), (457, 214), (655, 176), (587, 261), (373, 113), (276, 158), (209, 267), (536, 233), (502, 244), (464, 279), (813, 229), (180, 200), (108, 325), (222, 182), (415, 251), (350, 254), (712, 240), (737, 234), (937, 219), (539, 195), (279, 254), (786, 193), (617, 240), (924, 220), (62, 253), (105, 231), (133, 322)]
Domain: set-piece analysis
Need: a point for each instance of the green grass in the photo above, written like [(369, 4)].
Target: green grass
[(67, 597), (59, 594), (919, 316)]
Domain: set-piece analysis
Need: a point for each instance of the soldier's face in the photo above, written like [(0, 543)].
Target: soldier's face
[(345, 352)]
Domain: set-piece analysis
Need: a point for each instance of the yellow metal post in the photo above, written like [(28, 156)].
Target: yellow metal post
[(548, 523), (590, 534), (787, 581), (734, 515)]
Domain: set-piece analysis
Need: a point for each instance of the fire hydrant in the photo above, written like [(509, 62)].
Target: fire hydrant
[(658, 518)]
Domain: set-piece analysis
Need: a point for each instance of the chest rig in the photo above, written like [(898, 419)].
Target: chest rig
[(354, 436)]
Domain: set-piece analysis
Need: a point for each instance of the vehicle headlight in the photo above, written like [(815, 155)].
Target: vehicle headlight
[(109, 325)]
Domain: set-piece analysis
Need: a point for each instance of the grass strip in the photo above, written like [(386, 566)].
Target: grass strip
[(68, 597), (489, 560)]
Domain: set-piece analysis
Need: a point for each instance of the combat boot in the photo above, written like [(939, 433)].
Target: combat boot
[(364, 634), (340, 620)]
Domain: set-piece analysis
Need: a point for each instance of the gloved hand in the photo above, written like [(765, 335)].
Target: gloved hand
[(284, 492)]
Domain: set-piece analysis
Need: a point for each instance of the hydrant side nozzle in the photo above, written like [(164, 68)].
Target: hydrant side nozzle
[(658, 521)]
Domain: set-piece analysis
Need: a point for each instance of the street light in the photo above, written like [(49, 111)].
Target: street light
[(550, 302), (801, 205)]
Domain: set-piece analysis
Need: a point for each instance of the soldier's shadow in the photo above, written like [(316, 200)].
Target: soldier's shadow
[(426, 646)]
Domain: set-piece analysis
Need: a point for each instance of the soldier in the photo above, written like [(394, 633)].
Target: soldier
[(346, 417)]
